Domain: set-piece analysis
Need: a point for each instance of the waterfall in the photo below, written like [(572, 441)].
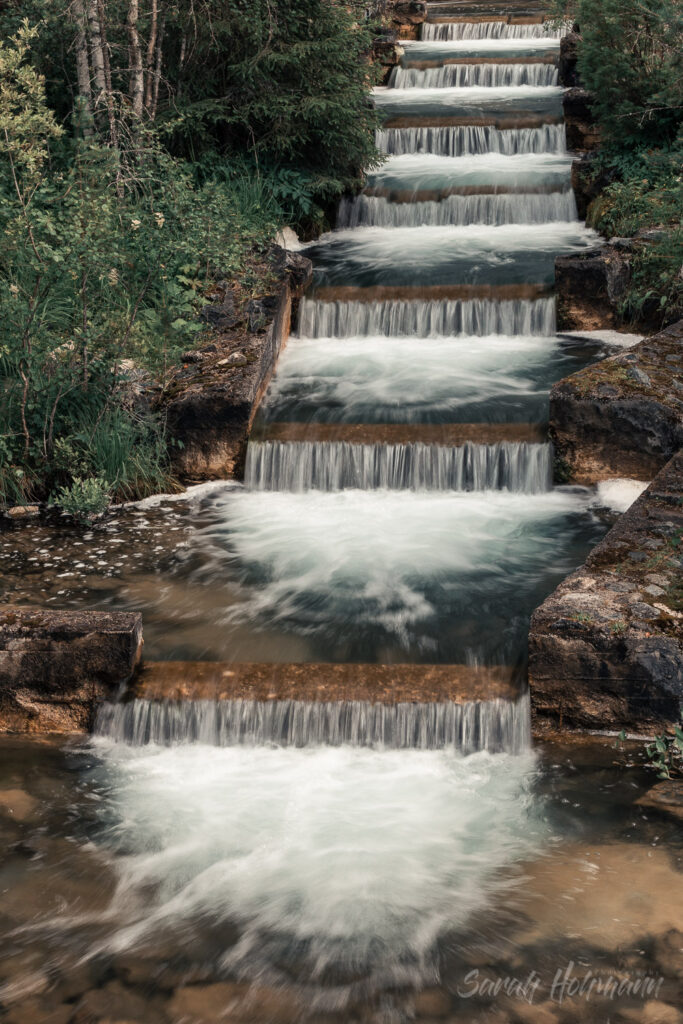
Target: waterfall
[(490, 75), (465, 140), (495, 725), (444, 32), (333, 466), (504, 208), (426, 318)]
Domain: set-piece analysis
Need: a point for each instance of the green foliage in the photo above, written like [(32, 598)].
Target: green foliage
[(113, 227), (629, 59), (292, 94), (101, 260), (84, 499), (648, 198), (665, 755)]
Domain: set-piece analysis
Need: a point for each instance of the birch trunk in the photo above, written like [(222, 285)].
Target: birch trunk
[(77, 13), (137, 75)]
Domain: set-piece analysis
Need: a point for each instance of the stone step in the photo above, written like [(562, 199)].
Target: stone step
[(502, 121), (428, 293), (436, 195), (380, 684), (450, 435), (551, 57)]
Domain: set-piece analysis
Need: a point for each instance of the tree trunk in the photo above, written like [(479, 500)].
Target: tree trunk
[(151, 50), (96, 53), (111, 112), (157, 68), (137, 77), (77, 13)]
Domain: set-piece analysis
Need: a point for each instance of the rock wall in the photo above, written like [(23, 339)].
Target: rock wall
[(54, 665), (622, 416), (606, 648), (212, 399)]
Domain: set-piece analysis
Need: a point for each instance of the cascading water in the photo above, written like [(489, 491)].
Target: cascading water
[(495, 726), (332, 845), (376, 211), (461, 75), (272, 465), (470, 139), (488, 30)]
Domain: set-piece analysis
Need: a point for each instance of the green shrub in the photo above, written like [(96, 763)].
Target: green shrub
[(84, 499)]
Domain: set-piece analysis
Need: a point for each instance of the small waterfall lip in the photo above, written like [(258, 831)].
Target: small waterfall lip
[(457, 210), (474, 75), (331, 466), (443, 31), (451, 317), (466, 140), (497, 725)]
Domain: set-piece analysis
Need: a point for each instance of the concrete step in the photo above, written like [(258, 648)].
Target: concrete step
[(386, 684), (428, 293), (450, 435)]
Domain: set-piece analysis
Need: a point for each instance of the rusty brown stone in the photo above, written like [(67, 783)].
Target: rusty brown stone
[(442, 434), (386, 684), (426, 293)]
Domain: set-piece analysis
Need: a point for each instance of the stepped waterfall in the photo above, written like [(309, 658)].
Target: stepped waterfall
[(395, 404), (333, 810)]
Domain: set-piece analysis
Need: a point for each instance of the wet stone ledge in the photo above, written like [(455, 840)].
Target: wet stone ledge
[(622, 416), (56, 665), (606, 648), (212, 399)]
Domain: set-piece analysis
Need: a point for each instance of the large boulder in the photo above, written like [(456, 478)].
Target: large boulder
[(56, 665), (622, 416), (606, 648)]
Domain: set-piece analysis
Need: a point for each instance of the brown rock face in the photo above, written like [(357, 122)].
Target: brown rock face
[(624, 415), (212, 400), (569, 53), (590, 285), (582, 132), (606, 648), (54, 665)]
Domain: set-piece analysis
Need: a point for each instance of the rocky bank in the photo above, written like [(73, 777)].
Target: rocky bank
[(623, 416), (606, 648)]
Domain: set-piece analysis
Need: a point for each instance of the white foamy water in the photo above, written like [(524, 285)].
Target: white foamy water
[(411, 373), (373, 558), (491, 30), (419, 171), (475, 45), (619, 493), (458, 140), (480, 250), (474, 96), (466, 75), (424, 319), (324, 858)]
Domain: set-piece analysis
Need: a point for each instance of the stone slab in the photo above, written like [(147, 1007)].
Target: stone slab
[(388, 684)]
